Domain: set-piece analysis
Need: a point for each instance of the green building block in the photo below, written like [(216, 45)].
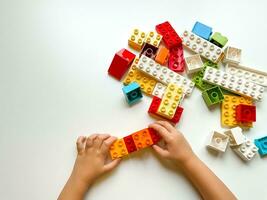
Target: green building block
[(218, 39), (213, 96), (197, 78)]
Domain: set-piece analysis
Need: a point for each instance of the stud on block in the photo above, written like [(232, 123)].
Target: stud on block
[(176, 59), (236, 136), (162, 55), (142, 139), (202, 30), (120, 63), (149, 51), (261, 143), (218, 141), (193, 63), (159, 90), (232, 55), (153, 38), (246, 150), (118, 149), (132, 93), (213, 96), (245, 113), (218, 39), (136, 40)]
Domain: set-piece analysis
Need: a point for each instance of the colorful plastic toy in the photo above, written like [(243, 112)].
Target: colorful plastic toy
[(202, 30), (245, 113), (213, 96), (218, 39), (261, 143), (132, 93)]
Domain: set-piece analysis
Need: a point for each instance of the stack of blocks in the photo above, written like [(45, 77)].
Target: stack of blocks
[(157, 73)]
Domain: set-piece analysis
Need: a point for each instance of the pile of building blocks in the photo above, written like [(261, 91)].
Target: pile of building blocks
[(159, 69)]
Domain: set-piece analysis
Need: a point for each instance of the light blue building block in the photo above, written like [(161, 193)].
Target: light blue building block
[(261, 143), (132, 93), (202, 30)]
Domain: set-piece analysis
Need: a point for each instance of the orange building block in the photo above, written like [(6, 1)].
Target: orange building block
[(142, 139), (118, 149), (162, 55)]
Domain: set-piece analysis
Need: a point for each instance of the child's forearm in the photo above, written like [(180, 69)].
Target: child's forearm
[(208, 184)]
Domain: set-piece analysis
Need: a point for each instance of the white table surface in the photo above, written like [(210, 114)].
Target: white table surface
[(54, 86)]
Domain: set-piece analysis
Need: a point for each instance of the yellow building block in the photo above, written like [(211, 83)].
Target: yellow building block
[(153, 38), (147, 83), (142, 139), (118, 149), (170, 101), (136, 40), (228, 110)]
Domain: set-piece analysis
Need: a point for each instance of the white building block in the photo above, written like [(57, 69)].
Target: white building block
[(232, 55), (164, 74), (159, 90), (193, 63), (233, 83), (236, 136), (201, 46), (247, 150), (218, 141), (247, 73)]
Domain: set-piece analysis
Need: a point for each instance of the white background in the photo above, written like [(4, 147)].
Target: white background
[(54, 86)]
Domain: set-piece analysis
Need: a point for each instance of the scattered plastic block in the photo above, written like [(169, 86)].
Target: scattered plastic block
[(202, 30), (218, 141), (261, 143), (193, 63), (149, 51), (136, 40), (246, 150), (159, 90), (154, 106), (132, 93), (218, 39), (177, 116), (236, 136), (232, 55), (162, 55), (129, 143), (121, 63), (245, 113), (176, 59), (153, 38), (118, 149), (213, 96), (204, 48)]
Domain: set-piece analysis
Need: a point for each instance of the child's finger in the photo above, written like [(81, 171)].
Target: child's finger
[(163, 132), (107, 143), (99, 140), (112, 165), (162, 152), (80, 143), (90, 140), (166, 125)]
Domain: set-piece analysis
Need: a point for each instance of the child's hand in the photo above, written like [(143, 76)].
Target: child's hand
[(91, 161), (177, 148)]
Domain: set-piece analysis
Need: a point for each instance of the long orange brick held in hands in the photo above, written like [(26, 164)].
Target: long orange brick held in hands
[(134, 142)]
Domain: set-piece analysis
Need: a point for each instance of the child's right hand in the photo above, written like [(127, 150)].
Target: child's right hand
[(177, 148)]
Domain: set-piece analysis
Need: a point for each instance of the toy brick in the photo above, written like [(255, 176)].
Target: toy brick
[(246, 150), (136, 40), (153, 38), (205, 48), (218, 39), (132, 93), (232, 55), (120, 63), (149, 51), (159, 90), (236, 136), (176, 59), (218, 141), (253, 75), (193, 63), (118, 149), (170, 37), (129, 143), (177, 116), (261, 143), (147, 83), (154, 135), (154, 106), (198, 77), (228, 110), (170, 101), (233, 83), (164, 75), (202, 30), (245, 113), (142, 139), (213, 96), (162, 55)]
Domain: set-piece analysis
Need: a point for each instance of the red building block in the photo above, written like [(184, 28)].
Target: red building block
[(176, 59), (245, 113), (154, 135), (120, 63), (129, 142), (154, 105), (170, 37), (177, 116)]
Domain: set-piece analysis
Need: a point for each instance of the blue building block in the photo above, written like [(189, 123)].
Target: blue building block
[(261, 143), (132, 93), (202, 30)]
